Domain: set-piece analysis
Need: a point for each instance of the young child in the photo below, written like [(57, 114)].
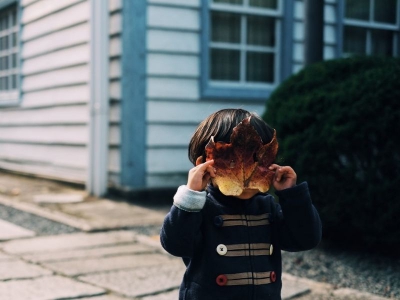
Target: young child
[(231, 245)]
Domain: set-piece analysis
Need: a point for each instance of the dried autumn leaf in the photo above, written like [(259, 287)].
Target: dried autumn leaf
[(244, 162)]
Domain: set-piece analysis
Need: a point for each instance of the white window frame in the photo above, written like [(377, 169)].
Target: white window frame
[(370, 25), (283, 40), (12, 96)]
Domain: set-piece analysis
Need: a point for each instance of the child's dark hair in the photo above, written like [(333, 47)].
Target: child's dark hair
[(220, 125)]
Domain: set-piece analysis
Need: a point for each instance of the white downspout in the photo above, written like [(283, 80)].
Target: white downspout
[(97, 181)]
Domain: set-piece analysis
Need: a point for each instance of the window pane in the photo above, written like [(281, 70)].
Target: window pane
[(14, 60), (14, 39), (260, 31), (6, 64), (382, 42), (225, 65), (229, 1), (385, 11), (225, 27), (260, 67), (354, 40), (264, 3), (14, 81), (357, 9)]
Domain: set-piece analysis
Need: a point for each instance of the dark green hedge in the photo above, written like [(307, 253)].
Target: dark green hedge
[(338, 125)]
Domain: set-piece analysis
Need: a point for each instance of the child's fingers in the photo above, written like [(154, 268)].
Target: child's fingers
[(212, 171)]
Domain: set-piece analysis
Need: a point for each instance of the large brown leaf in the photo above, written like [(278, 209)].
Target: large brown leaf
[(244, 162)]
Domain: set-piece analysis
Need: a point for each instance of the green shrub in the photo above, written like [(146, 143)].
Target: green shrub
[(338, 126)]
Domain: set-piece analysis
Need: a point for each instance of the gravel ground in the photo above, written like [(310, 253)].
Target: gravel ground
[(347, 269), (32, 222)]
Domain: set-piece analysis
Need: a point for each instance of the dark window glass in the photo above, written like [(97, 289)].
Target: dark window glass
[(355, 40), (357, 9), (385, 11), (382, 42), (264, 3), (260, 31), (225, 27), (260, 67), (225, 65)]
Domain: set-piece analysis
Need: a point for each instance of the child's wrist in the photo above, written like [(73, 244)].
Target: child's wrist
[(189, 200)]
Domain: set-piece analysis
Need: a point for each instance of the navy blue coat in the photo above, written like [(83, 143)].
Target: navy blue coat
[(232, 247)]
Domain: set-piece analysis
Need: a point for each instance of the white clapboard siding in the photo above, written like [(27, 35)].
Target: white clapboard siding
[(44, 8), (75, 157), (51, 115), (189, 3), (62, 77), (115, 113), (173, 88), (114, 160), (299, 9), (115, 23), (192, 112), (72, 135), (58, 59), (115, 68), (173, 18), (48, 133), (69, 174), (115, 46), (57, 96), (26, 2), (114, 135), (115, 90), (330, 13), (175, 65), (168, 160), (57, 40), (166, 180), (68, 17), (173, 41), (115, 5), (299, 31), (169, 135)]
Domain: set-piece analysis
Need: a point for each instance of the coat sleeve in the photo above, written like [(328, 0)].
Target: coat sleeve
[(181, 232), (299, 225)]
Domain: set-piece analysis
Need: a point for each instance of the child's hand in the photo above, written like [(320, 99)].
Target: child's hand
[(200, 175), (285, 177)]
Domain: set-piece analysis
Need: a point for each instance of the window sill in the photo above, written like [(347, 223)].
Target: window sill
[(236, 93)]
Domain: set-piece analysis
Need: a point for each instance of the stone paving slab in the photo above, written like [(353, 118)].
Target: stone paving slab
[(9, 231), (85, 266), (105, 213), (17, 269), (89, 253), (47, 288), (140, 281), (67, 242), (293, 288), (108, 297), (4, 256)]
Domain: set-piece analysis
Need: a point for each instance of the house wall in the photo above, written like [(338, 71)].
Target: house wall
[(114, 165), (174, 104), (330, 32), (47, 134)]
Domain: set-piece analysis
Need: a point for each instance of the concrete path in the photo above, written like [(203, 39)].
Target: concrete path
[(113, 264)]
